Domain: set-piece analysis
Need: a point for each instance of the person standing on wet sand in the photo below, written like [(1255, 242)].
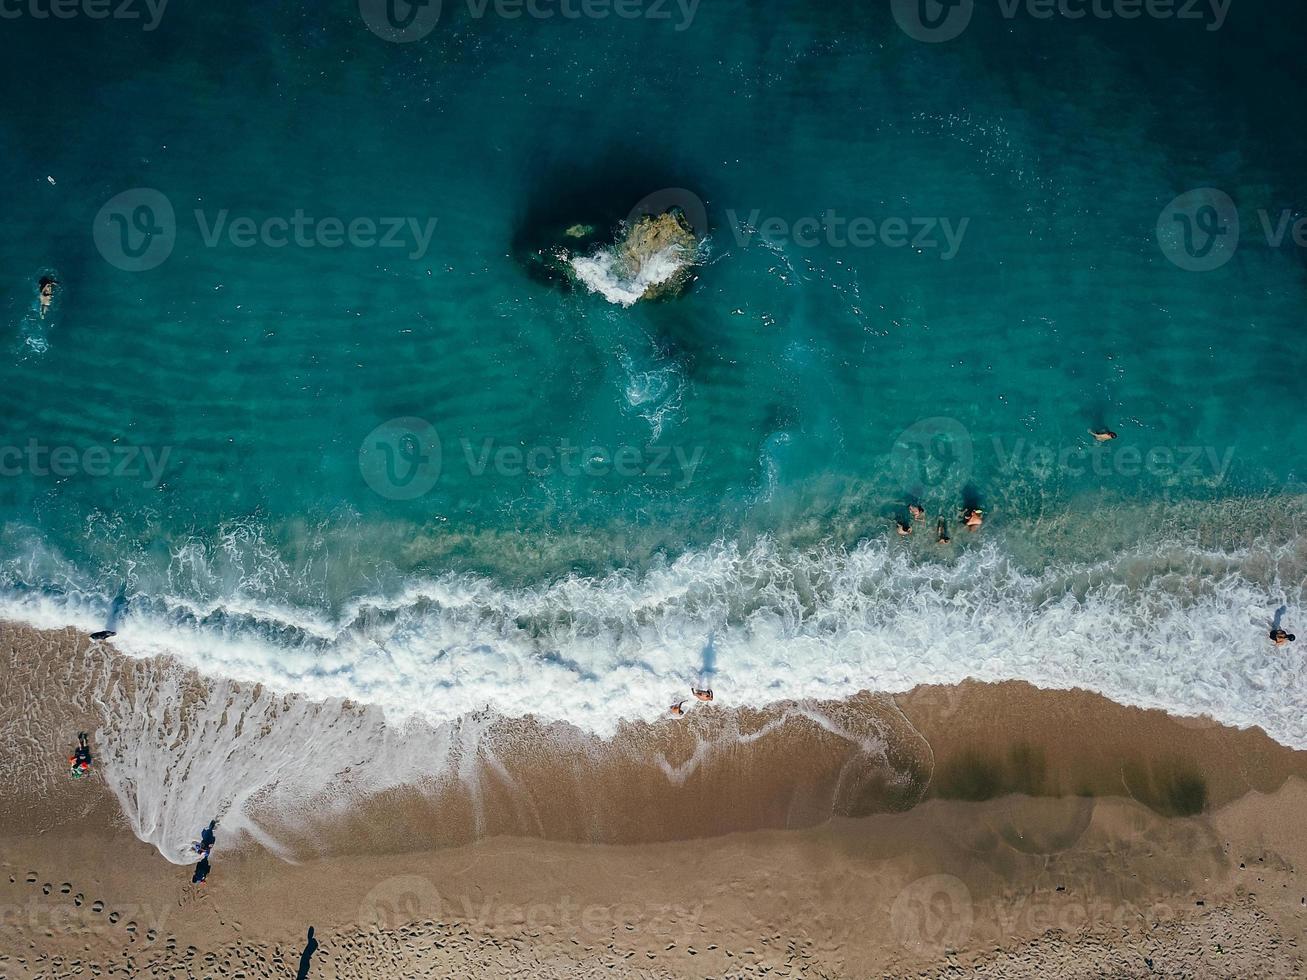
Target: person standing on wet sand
[(80, 760)]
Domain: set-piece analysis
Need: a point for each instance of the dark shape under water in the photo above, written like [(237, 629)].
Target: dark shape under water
[(975, 776), (1172, 787)]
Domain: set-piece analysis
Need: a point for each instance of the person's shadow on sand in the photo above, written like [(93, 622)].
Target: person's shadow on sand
[(307, 956)]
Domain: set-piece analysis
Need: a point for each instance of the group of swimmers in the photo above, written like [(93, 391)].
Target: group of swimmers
[(700, 694), (972, 518)]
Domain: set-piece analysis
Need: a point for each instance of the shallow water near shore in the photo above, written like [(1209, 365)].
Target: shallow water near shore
[(605, 504)]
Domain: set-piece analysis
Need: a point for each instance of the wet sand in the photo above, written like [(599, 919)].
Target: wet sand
[(996, 829)]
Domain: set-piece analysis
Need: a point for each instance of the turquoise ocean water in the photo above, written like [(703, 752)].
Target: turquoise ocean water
[(404, 467)]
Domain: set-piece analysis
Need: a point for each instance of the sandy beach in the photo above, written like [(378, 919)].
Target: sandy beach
[(995, 830)]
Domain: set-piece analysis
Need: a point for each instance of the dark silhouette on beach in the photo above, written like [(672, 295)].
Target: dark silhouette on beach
[(305, 957), (207, 839)]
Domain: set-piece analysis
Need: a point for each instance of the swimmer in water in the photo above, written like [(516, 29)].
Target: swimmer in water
[(917, 512), (705, 695), (1103, 435), (903, 527), (46, 291), (973, 518), (1279, 637), (678, 709), (941, 532)]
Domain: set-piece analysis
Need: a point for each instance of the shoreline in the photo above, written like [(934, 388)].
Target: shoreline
[(989, 827), (1167, 610), (170, 743)]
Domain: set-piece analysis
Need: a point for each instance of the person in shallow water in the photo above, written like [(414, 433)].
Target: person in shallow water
[(80, 761), (941, 532), (903, 527), (972, 518), (704, 695), (916, 512), (678, 709), (1279, 637), (207, 839), (201, 874), (46, 288), (1103, 435)]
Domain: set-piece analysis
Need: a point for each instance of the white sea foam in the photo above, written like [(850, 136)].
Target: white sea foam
[(395, 685), (1164, 627), (604, 274)]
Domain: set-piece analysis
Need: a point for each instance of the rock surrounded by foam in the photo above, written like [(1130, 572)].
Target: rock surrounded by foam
[(652, 259)]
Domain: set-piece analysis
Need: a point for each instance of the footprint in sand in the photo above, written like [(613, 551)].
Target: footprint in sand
[(65, 889), (45, 889), (113, 918), (98, 906), (31, 877), (78, 899)]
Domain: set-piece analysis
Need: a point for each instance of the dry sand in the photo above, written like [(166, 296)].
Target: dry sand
[(1046, 834)]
